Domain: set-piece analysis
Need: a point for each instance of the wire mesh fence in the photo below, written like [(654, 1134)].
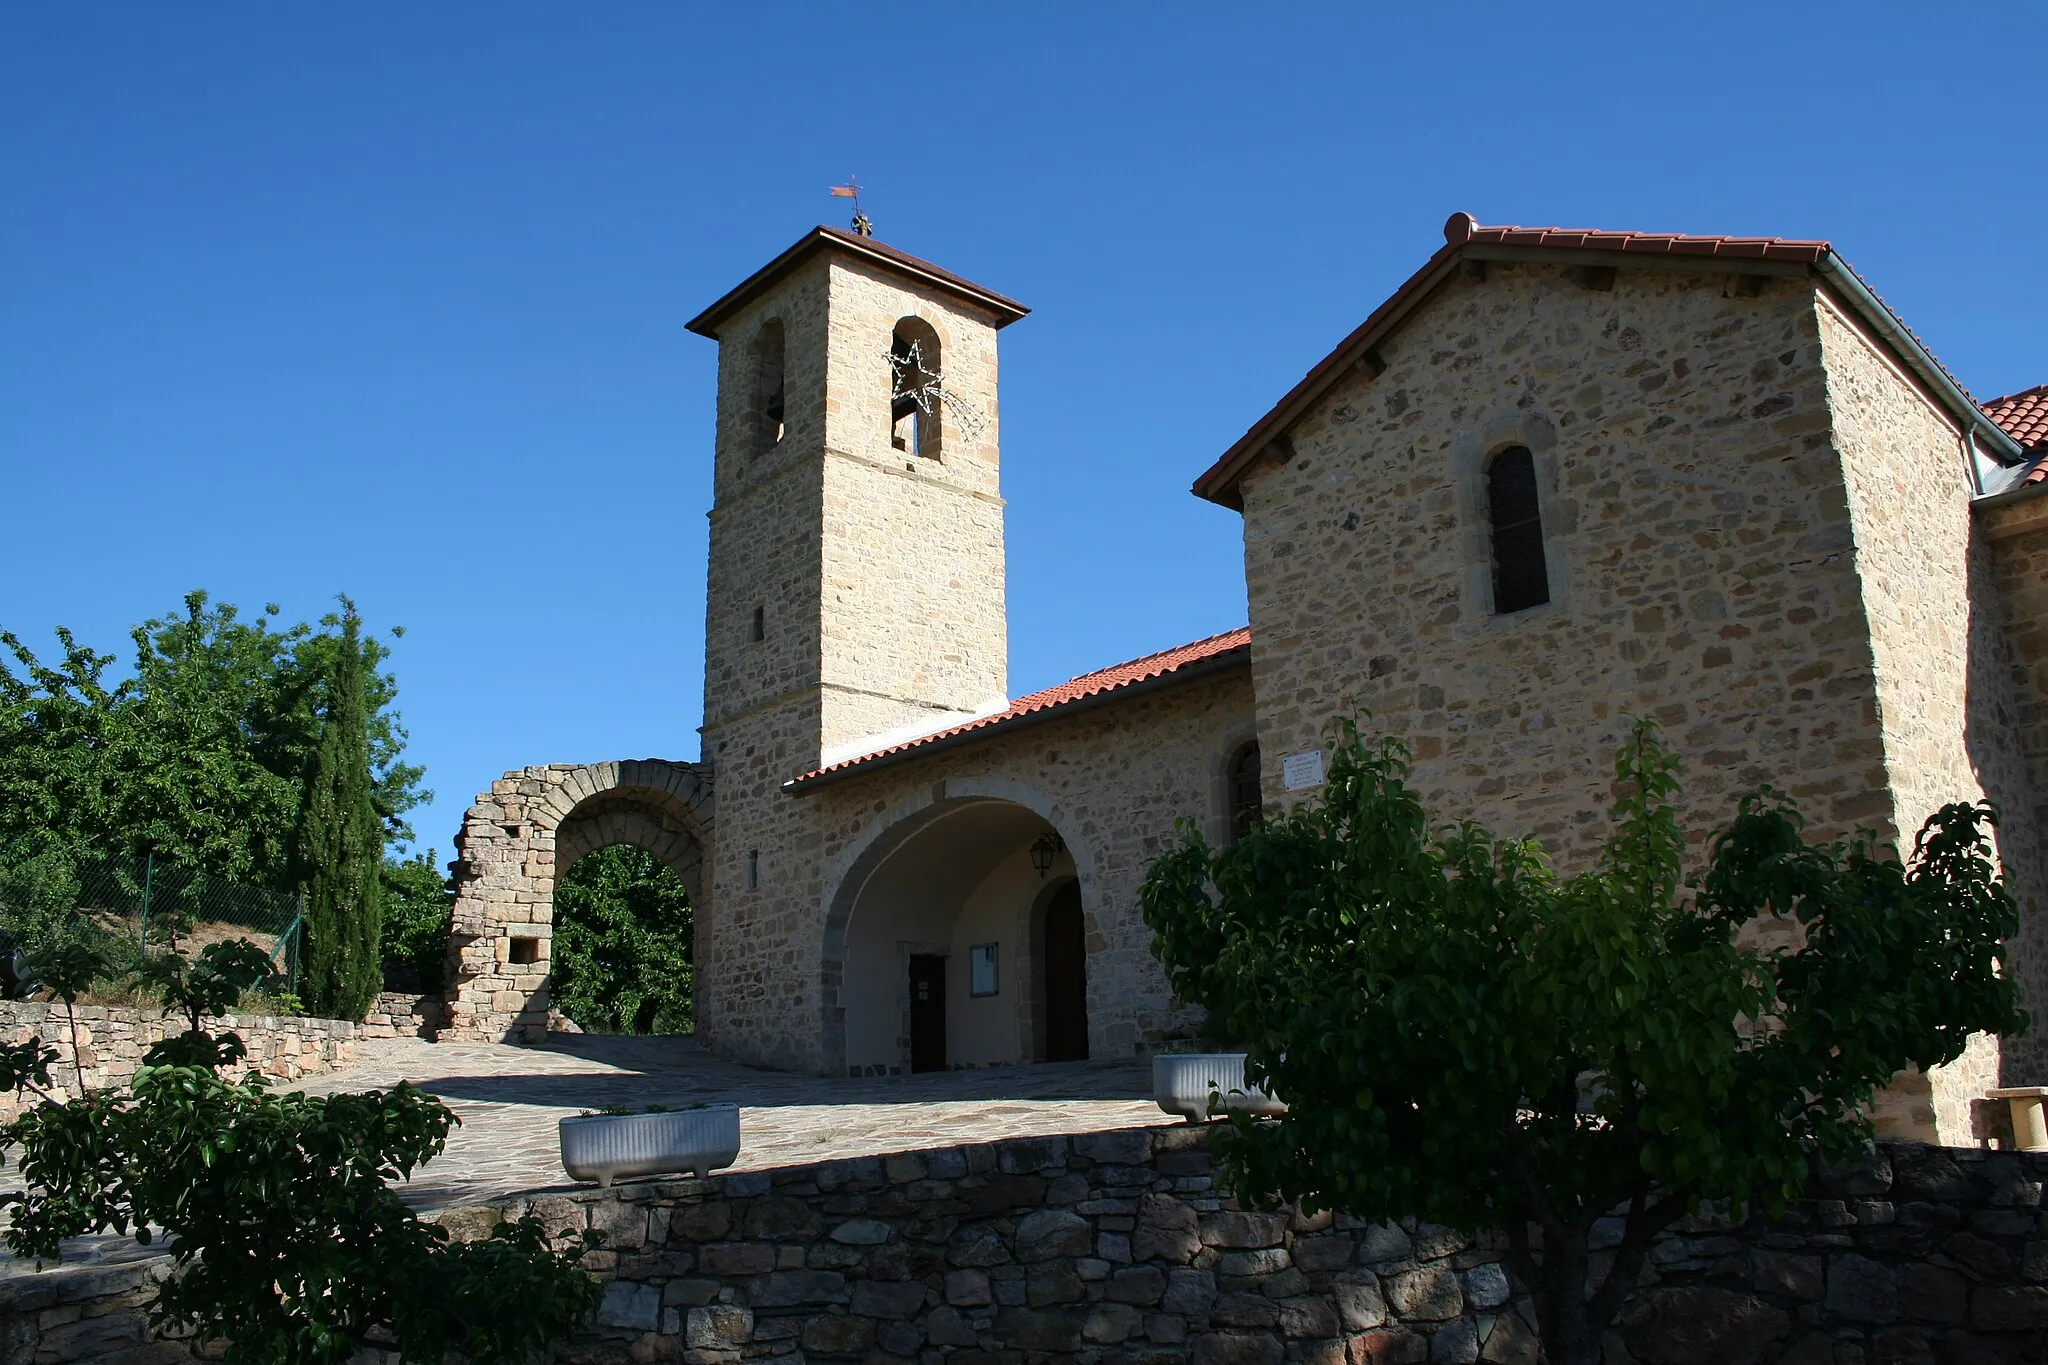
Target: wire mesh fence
[(149, 904)]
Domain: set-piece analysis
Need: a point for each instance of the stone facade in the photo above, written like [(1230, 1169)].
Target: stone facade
[(112, 1040), (1758, 528), (1758, 532), (1123, 1247)]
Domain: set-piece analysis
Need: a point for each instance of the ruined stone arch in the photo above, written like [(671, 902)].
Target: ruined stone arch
[(529, 828)]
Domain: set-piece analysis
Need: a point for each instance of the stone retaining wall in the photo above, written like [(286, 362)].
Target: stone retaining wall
[(399, 1015), (84, 1313), (1120, 1249), (113, 1039), (1120, 1246)]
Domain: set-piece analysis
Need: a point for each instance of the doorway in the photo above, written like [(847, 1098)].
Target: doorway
[(1066, 977), (927, 1012)]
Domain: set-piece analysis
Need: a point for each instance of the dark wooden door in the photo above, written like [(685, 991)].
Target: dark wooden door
[(927, 1012), (1066, 978)]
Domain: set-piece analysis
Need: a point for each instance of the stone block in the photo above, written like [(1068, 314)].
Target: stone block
[(1238, 1348), (967, 1289), (1695, 1325), (718, 1326), (1242, 1231), (794, 1288), (887, 1299), (1432, 1294), (1861, 1290), (835, 1336), (635, 1307), (946, 1327), (1047, 1233)]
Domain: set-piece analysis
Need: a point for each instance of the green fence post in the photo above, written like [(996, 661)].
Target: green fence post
[(148, 874)]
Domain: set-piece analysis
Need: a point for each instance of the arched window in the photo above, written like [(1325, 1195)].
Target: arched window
[(1247, 803), (768, 386), (1520, 580), (914, 389)]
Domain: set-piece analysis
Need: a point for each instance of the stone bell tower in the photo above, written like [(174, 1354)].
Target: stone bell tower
[(855, 596)]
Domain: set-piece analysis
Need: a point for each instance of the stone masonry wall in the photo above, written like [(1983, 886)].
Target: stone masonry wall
[(402, 1015), (112, 1041), (516, 839), (1944, 692), (1112, 781), (1702, 558), (1122, 1247)]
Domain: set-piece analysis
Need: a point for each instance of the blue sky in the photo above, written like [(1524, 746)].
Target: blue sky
[(388, 299)]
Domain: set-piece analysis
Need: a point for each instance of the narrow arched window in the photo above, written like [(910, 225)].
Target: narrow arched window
[(1520, 580), (1247, 803), (768, 386), (914, 389)]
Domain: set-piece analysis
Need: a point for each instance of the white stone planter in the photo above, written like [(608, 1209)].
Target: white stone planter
[(1182, 1083), (606, 1147)]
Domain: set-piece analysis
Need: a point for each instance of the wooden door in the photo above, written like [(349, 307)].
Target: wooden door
[(1065, 973), (927, 1012)]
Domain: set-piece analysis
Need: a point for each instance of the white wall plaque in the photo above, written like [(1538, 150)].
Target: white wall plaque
[(1299, 772)]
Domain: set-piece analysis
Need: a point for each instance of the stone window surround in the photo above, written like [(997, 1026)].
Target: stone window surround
[(1485, 436)]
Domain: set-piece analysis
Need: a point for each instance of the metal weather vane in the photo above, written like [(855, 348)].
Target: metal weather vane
[(851, 190)]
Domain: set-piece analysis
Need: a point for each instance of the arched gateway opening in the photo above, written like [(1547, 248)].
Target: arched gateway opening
[(957, 939), (517, 841)]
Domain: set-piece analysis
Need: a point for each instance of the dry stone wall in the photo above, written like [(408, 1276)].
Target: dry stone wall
[(1123, 1247), (112, 1040)]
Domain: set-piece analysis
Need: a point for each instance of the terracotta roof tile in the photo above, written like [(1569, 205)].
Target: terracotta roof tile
[(1112, 679), (2022, 416)]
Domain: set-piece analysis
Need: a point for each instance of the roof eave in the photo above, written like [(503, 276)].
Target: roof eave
[(1004, 310), (1219, 483), (1200, 668)]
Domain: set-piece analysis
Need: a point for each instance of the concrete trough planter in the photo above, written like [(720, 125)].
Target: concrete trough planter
[(608, 1147), (1182, 1083)]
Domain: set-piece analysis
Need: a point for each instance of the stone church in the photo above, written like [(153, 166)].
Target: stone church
[(1555, 480)]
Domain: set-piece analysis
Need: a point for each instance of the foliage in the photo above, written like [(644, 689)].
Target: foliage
[(1470, 1038), (211, 985), (624, 936), (292, 1247), (200, 753), (65, 965), (339, 856), (416, 906)]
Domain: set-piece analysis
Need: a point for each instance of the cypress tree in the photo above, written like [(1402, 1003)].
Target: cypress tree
[(340, 846)]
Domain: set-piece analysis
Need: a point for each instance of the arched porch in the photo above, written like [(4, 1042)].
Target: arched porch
[(957, 937)]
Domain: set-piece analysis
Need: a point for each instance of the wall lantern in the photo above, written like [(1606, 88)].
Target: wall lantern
[(1044, 849)]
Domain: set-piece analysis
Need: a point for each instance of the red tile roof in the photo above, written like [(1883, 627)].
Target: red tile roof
[(1462, 234), (2022, 416), (822, 238), (1216, 651)]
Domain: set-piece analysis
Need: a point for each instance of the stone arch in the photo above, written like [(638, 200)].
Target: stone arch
[(894, 833), (518, 838)]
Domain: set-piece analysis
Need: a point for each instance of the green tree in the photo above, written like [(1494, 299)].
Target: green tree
[(199, 754), (624, 935), (416, 905), (340, 851), (1467, 1037), (291, 1246)]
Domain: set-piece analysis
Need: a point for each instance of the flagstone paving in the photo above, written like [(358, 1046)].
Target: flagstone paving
[(510, 1098)]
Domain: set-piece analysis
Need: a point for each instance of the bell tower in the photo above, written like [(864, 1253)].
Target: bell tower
[(856, 589)]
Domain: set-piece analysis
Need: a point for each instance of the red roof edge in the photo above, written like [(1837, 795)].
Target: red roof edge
[(821, 238), (1182, 663)]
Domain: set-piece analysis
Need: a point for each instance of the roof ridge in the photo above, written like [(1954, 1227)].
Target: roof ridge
[(1144, 659)]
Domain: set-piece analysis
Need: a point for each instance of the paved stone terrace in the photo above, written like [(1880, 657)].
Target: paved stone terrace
[(510, 1098)]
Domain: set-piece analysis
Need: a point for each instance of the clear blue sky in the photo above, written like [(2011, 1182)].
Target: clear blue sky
[(388, 299)]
